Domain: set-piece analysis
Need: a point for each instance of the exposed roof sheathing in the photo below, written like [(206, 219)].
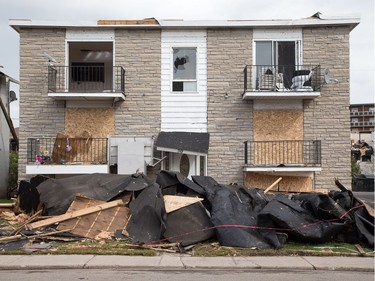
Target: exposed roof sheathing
[(128, 22)]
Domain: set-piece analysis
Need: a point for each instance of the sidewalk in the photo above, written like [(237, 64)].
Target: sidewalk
[(175, 262)]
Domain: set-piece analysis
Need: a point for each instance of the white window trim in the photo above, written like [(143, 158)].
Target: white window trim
[(274, 35), (89, 36), (187, 46)]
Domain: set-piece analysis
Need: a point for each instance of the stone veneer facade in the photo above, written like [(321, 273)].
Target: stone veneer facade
[(326, 118), (40, 116), (229, 118)]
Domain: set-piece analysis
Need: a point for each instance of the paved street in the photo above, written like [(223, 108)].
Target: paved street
[(367, 197), (208, 275)]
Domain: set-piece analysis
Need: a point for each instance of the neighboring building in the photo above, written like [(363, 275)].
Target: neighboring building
[(362, 122), (241, 101), (5, 131)]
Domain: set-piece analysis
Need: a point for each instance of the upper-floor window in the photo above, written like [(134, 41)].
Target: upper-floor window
[(279, 57), (283, 53), (184, 70)]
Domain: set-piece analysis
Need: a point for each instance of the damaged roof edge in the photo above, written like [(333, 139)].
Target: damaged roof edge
[(154, 23)]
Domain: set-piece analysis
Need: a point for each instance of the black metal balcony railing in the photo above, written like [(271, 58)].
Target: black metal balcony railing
[(282, 78), (362, 124), (362, 113), (55, 151), (274, 153), (83, 78)]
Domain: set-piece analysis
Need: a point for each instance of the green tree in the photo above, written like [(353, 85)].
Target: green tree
[(13, 172)]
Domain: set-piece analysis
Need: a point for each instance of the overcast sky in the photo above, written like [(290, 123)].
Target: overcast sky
[(361, 38)]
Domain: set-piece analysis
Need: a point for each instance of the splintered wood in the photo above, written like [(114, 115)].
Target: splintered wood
[(93, 225)]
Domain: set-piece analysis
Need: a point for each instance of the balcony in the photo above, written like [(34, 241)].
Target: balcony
[(67, 155), (362, 124), (281, 82), (362, 113), (282, 156), (86, 82)]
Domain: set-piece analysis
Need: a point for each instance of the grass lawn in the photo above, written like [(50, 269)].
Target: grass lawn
[(201, 250)]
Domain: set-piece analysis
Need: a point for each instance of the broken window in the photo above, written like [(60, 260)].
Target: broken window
[(184, 70)]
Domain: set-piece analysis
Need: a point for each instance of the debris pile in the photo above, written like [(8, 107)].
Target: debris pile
[(179, 211)]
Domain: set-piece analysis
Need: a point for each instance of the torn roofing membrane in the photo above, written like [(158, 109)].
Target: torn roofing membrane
[(238, 216), (183, 141), (58, 194)]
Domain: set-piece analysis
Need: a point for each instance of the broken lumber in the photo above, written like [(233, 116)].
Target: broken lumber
[(7, 205), (92, 225), (272, 185), (71, 215), (173, 202), (32, 218), (23, 237)]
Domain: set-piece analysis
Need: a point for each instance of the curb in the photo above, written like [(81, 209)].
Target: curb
[(173, 263)]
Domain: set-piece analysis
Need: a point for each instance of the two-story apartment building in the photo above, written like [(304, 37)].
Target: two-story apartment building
[(362, 122), (241, 101)]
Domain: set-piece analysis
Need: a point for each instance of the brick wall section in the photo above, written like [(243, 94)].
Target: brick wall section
[(40, 115), (327, 117), (229, 120), (139, 52)]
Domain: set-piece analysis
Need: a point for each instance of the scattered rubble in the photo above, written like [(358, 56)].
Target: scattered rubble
[(176, 212)]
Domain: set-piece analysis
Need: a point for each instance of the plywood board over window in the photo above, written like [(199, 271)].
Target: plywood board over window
[(283, 124), (278, 136), (99, 122), (287, 184)]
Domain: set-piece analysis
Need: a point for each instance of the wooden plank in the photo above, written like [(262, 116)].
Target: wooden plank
[(75, 214), (272, 185), (92, 225), (7, 205), (22, 237), (173, 203)]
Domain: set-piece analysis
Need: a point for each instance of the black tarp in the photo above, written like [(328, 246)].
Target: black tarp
[(57, 194), (290, 217), (148, 217), (234, 211), (189, 225), (242, 231), (241, 217), (173, 183)]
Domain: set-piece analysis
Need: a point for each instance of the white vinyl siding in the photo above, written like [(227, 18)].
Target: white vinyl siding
[(183, 111)]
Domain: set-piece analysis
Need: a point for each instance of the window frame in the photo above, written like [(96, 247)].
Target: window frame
[(172, 80), (274, 49)]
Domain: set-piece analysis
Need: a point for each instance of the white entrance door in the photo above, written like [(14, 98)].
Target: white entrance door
[(186, 164)]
